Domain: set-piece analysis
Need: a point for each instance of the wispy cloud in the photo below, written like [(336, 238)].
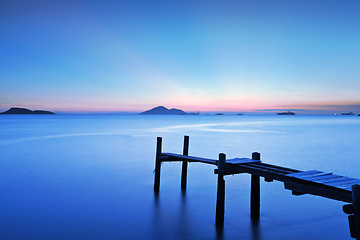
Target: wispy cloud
[(354, 107), (318, 107), (280, 109)]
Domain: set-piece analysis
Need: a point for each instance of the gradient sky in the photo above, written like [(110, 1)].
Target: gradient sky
[(194, 55)]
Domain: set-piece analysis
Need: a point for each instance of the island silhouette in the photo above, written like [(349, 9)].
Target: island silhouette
[(161, 110), (16, 110), (286, 113)]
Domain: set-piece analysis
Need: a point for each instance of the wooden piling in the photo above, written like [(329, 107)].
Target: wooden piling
[(255, 192), (157, 165), (356, 204), (184, 163), (220, 200)]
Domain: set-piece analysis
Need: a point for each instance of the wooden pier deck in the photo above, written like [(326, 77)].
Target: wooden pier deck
[(313, 182)]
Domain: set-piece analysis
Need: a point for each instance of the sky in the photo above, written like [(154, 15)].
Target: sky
[(198, 55)]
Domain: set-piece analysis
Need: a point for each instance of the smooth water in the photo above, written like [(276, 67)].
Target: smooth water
[(91, 176)]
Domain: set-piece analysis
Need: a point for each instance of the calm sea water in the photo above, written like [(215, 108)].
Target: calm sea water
[(91, 176)]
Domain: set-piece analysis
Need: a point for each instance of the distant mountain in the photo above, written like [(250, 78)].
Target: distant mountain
[(15, 110), (161, 110)]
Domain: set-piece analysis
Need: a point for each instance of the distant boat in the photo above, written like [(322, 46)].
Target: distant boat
[(194, 113), (286, 113), (219, 114), (349, 113)]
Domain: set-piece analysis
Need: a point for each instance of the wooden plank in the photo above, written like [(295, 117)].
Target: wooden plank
[(321, 178), (298, 174), (337, 180), (331, 180), (343, 184), (285, 169), (327, 192), (258, 170), (179, 157), (241, 160), (316, 175), (268, 167)]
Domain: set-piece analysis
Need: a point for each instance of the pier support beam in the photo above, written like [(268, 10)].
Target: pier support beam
[(356, 204), (184, 163), (255, 192), (157, 165), (220, 200)]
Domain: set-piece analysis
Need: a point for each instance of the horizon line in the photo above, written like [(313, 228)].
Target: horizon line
[(322, 111)]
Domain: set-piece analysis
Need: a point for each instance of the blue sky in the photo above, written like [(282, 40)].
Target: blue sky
[(196, 55)]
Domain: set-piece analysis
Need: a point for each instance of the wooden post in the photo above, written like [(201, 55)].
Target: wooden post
[(157, 165), (356, 204), (184, 163), (255, 192), (220, 200)]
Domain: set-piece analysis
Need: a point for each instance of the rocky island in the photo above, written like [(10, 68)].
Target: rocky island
[(161, 110), (16, 110)]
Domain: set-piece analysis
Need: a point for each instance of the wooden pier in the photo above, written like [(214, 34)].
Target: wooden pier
[(313, 182)]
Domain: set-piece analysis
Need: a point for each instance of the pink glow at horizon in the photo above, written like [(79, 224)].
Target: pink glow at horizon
[(210, 106)]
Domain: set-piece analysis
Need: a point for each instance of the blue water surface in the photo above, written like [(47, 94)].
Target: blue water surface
[(91, 176)]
